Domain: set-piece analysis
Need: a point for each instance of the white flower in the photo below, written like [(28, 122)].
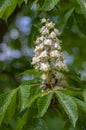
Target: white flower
[(44, 66), (35, 60), (52, 35), (43, 54), (50, 25), (57, 40), (44, 76), (57, 31), (39, 47), (54, 54), (48, 42), (44, 30), (61, 65), (57, 46), (39, 39), (43, 20)]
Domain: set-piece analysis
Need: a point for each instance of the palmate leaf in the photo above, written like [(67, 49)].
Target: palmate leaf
[(49, 5), (44, 102), (6, 103), (7, 7), (28, 93), (69, 106), (82, 4)]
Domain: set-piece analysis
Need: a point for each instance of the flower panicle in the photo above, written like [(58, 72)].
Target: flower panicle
[(48, 52)]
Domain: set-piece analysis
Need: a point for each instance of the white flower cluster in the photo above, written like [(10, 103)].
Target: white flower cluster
[(48, 56)]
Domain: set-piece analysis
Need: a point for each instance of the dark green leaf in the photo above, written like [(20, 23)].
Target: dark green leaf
[(81, 104), (20, 2), (82, 4), (21, 121), (74, 79), (84, 95), (67, 16), (26, 1), (37, 124), (69, 106), (44, 102), (81, 22), (49, 5)]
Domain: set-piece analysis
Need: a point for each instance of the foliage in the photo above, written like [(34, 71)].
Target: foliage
[(27, 107)]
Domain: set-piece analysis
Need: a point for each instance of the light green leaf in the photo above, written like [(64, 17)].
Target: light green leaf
[(82, 4), (6, 101), (31, 72), (49, 5), (24, 94), (69, 106), (43, 103), (7, 7), (28, 94), (81, 104)]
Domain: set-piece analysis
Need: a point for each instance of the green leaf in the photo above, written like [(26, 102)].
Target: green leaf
[(28, 94), (26, 1), (24, 94), (82, 4), (31, 72), (6, 101), (49, 5), (7, 7), (11, 109), (81, 104), (21, 121), (37, 124), (20, 2), (69, 106), (81, 22), (84, 95), (44, 102), (67, 16)]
